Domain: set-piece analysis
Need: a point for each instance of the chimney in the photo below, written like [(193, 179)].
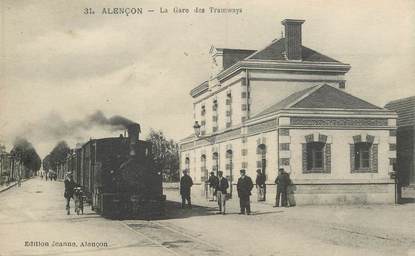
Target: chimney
[(133, 131), (293, 38)]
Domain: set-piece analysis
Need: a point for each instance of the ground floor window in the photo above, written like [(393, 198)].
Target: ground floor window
[(316, 154), (363, 154)]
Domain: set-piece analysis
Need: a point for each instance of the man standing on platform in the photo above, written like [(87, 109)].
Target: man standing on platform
[(69, 186), (185, 184), (282, 181), (244, 187), (221, 191), (213, 183)]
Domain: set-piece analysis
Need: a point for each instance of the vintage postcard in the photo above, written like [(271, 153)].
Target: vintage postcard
[(141, 127)]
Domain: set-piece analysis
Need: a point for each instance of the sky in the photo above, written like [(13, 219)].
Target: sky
[(58, 65)]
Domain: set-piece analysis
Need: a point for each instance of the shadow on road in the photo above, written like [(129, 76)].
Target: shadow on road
[(174, 211)]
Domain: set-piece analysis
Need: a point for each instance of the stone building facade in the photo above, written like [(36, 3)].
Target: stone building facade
[(286, 106)]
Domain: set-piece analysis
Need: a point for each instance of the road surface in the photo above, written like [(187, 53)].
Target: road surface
[(33, 222)]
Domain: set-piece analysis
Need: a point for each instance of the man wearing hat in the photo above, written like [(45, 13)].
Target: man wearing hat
[(221, 191), (282, 181), (185, 184), (244, 187), (69, 187), (213, 183)]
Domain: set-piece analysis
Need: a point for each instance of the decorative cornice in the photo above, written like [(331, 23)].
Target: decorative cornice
[(338, 122), (200, 89), (218, 91), (288, 66), (212, 139), (328, 112), (304, 67), (297, 80)]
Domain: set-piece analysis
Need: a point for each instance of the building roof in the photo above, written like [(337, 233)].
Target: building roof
[(231, 56), (286, 101), (405, 109), (275, 51), (319, 97), (327, 96)]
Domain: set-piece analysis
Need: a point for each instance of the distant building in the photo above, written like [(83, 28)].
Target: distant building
[(285, 106), (405, 138)]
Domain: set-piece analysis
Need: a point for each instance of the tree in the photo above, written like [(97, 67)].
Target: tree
[(46, 163), (58, 154), (26, 153), (165, 154), (2, 148)]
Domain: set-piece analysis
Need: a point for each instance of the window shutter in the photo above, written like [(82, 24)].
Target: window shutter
[(304, 149), (352, 157), (327, 158), (374, 158)]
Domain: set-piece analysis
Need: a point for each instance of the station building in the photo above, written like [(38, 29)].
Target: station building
[(286, 106), (405, 164)]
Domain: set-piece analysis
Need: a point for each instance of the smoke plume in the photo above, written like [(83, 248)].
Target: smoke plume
[(53, 128), (114, 123)]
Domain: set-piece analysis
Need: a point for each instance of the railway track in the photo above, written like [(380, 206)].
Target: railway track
[(175, 241)]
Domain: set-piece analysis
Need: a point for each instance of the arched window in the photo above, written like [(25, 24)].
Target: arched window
[(215, 162), (187, 164), (203, 169), (262, 157), (229, 163)]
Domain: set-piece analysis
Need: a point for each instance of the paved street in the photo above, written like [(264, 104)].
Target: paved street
[(35, 213)]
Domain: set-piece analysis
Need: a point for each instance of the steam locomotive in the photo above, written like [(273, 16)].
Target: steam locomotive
[(118, 176)]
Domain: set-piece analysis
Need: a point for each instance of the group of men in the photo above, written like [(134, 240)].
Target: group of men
[(219, 185), (48, 175)]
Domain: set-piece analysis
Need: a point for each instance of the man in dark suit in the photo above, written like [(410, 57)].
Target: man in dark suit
[(69, 187), (244, 187), (282, 181), (213, 183), (185, 184), (221, 191)]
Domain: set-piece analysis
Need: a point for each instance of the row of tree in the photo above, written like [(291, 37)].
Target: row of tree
[(165, 153), (58, 154), (24, 152)]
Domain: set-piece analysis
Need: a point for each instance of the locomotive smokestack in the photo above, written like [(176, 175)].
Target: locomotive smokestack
[(133, 132)]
